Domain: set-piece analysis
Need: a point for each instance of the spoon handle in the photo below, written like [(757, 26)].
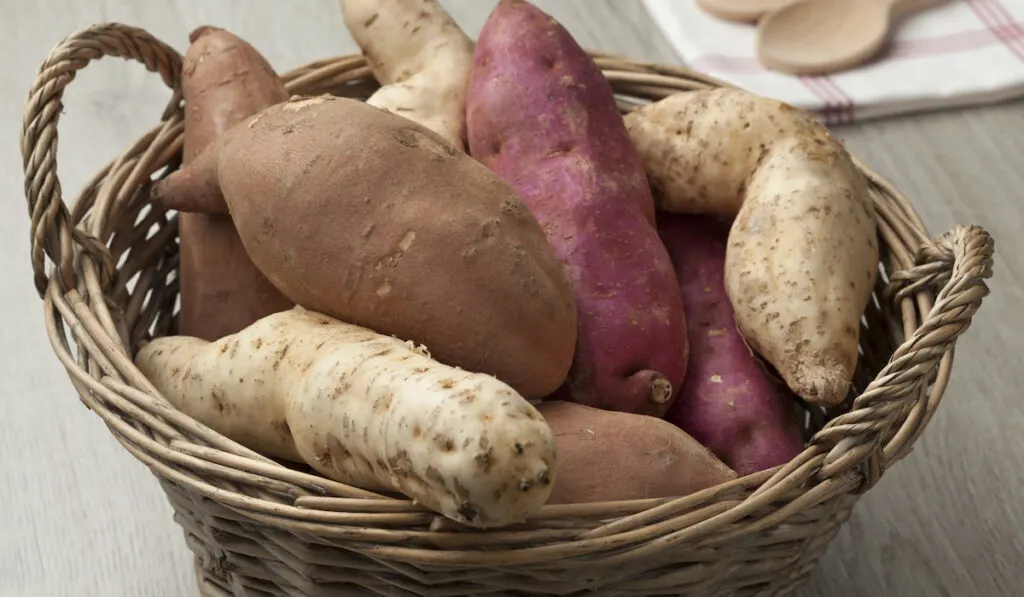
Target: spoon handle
[(903, 8)]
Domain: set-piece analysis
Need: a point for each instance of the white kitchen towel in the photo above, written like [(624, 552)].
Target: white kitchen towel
[(960, 53)]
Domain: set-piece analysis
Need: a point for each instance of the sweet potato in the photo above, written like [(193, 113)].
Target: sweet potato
[(223, 80), (373, 219), (364, 409), (420, 56), (802, 257), (729, 401), (541, 114), (607, 456)]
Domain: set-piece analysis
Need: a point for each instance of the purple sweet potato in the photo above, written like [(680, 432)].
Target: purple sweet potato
[(729, 401), (541, 114)]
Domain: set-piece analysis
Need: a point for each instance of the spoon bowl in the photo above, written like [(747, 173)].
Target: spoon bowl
[(813, 37)]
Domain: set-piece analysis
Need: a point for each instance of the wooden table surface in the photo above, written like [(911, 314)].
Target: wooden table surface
[(79, 516)]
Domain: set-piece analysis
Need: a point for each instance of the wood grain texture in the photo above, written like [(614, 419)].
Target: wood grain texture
[(79, 516)]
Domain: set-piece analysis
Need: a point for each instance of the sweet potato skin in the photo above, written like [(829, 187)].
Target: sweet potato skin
[(364, 409), (803, 255), (729, 401), (607, 456), (224, 80), (541, 114), (420, 56), (380, 222)]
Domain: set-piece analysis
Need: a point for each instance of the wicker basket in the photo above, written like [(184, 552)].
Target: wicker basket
[(105, 268)]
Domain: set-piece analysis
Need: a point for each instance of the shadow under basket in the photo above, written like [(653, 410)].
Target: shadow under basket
[(105, 266)]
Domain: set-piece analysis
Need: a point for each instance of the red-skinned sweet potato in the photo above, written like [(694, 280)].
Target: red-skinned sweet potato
[(541, 114), (224, 80), (730, 401), (608, 456)]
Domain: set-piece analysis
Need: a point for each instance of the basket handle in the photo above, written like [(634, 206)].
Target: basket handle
[(958, 263), (53, 231)]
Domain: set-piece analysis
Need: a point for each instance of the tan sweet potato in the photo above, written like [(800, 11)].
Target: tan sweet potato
[(364, 409), (802, 258), (371, 218), (223, 80), (607, 456), (421, 58)]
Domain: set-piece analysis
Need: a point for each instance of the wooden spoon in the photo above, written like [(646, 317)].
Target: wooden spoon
[(741, 11), (811, 37)]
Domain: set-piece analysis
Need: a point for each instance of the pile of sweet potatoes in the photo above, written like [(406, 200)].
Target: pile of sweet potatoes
[(486, 289)]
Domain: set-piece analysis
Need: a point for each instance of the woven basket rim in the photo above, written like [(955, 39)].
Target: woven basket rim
[(936, 285)]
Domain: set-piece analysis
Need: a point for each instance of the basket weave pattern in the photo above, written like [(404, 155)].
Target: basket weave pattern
[(105, 268)]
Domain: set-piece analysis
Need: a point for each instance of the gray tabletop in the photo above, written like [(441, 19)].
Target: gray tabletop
[(79, 516)]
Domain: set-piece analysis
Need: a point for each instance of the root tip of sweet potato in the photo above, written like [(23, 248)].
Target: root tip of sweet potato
[(661, 389), (162, 192), (825, 387), (156, 191), (168, 194)]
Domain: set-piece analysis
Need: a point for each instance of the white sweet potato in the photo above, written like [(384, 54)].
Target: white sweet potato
[(364, 409), (421, 58), (802, 257)]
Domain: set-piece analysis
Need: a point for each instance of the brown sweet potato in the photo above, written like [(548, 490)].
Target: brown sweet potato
[(375, 220), (224, 80), (541, 114), (730, 401), (607, 456)]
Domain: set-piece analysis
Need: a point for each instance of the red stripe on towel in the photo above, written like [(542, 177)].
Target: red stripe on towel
[(998, 20), (950, 43)]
